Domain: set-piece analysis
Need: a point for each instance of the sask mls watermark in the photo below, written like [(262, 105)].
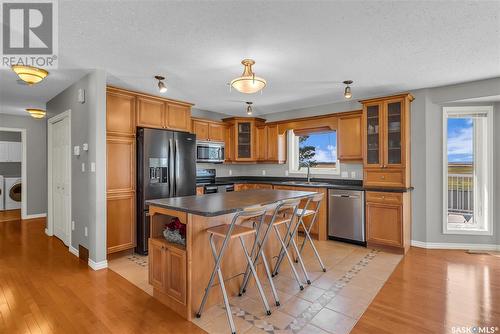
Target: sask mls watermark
[(29, 33)]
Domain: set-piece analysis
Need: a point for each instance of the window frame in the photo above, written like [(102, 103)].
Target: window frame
[(488, 224), (292, 152)]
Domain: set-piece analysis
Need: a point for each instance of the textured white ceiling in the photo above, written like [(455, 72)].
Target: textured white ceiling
[(304, 49)]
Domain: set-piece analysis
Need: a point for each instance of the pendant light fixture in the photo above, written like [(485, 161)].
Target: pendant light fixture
[(249, 108), (347, 90), (161, 85), (29, 74), (36, 113), (248, 83)]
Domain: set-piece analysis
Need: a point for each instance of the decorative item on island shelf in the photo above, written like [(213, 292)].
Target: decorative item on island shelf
[(175, 232)]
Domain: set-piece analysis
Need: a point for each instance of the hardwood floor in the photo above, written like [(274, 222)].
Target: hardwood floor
[(46, 289), (433, 290), (9, 215)]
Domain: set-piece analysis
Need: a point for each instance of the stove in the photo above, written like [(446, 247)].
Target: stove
[(206, 178)]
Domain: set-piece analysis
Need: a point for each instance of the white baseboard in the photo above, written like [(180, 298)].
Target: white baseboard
[(34, 216), (47, 232), (446, 245), (74, 251), (98, 265)]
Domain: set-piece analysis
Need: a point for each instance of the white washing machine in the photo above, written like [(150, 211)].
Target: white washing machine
[(2, 201), (12, 194)]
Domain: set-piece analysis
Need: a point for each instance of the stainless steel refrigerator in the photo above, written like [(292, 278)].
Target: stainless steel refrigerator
[(166, 167)]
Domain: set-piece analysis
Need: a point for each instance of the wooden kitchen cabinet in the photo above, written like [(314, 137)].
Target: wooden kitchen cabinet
[(200, 191), (120, 227), (209, 130), (270, 145), (388, 220), (350, 137), (178, 117), (242, 138), (386, 141), (120, 113), (150, 112)]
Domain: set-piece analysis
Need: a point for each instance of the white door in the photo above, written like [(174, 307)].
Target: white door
[(60, 179)]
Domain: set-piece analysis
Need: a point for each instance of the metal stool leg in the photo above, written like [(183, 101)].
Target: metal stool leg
[(288, 237), (307, 232), (284, 248), (269, 277), (257, 281), (301, 262)]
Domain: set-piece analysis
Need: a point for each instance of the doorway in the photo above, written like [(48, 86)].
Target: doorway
[(59, 177), (13, 187)]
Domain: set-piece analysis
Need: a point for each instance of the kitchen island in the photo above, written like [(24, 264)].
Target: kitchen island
[(179, 273)]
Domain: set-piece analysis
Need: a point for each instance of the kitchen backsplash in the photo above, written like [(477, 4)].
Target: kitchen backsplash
[(347, 170)]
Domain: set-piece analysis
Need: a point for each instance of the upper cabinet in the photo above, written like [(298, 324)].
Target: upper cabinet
[(270, 144), (241, 138), (350, 137), (386, 141), (208, 130), (120, 113), (158, 113)]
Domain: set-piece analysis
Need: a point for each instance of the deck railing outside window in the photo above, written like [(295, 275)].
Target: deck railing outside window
[(460, 193)]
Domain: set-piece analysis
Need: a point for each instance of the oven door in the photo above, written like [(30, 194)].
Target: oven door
[(209, 152)]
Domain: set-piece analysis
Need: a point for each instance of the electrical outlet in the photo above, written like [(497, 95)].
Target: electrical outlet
[(83, 167), (230, 172), (353, 175), (286, 172), (86, 231), (72, 225), (263, 172), (344, 174)]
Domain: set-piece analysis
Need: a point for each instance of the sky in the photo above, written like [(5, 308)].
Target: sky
[(326, 146), (460, 147)]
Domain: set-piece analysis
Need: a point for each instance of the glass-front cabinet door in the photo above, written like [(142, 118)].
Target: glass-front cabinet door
[(373, 135), (244, 145), (393, 132)]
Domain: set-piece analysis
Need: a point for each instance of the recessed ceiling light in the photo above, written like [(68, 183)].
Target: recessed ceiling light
[(248, 83), (347, 90), (161, 85), (29, 74), (36, 113)]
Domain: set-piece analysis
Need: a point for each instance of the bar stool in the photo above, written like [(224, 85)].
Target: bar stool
[(301, 213), (228, 232), (283, 213)]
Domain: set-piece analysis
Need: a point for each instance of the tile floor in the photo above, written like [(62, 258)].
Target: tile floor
[(134, 268), (333, 302)]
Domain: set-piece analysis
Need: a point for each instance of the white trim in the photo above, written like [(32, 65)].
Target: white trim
[(449, 245), (466, 110), (98, 265), (35, 216), (50, 222), (74, 251), (24, 175)]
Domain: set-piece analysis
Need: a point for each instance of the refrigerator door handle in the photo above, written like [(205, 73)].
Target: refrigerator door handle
[(171, 178), (176, 164)]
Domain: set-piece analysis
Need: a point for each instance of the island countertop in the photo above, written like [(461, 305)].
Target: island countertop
[(210, 205)]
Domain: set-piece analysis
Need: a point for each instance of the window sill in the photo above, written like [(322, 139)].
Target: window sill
[(315, 172), (468, 232)]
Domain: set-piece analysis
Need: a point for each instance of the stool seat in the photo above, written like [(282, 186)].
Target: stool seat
[(238, 230), (304, 213), (277, 221)]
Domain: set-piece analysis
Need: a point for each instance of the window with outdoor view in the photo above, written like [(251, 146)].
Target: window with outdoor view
[(467, 171), (317, 150)]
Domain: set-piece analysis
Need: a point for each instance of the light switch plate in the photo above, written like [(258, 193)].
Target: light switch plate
[(76, 150), (86, 231), (344, 174), (72, 225), (85, 146), (81, 95), (92, 167), (353, 175), (263, 172), (83, 167)]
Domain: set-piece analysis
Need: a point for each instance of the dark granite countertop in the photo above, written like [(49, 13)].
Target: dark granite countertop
[(210, 205), (316, 183)]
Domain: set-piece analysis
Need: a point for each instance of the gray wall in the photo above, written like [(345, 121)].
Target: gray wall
[(427, 158), (88, 188), (36, 164), (10, 169)]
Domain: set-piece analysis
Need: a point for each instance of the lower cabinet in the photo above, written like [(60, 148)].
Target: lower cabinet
[(120, 228), (168, 269), (388, 220)]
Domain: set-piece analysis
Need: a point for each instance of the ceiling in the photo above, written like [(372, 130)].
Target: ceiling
[(303, 49)]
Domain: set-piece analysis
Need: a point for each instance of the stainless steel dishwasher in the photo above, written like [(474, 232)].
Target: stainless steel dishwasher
[(346, 215)]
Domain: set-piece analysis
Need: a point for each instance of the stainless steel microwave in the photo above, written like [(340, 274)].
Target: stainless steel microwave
[(207, 151)]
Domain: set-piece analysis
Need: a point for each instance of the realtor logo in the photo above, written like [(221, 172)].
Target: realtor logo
[(29, 33)]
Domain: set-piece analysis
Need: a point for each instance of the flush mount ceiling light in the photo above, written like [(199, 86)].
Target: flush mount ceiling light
[(248, 83), (347, 90), (249, 108), (161, 85), (36, 113), (29, 74)]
